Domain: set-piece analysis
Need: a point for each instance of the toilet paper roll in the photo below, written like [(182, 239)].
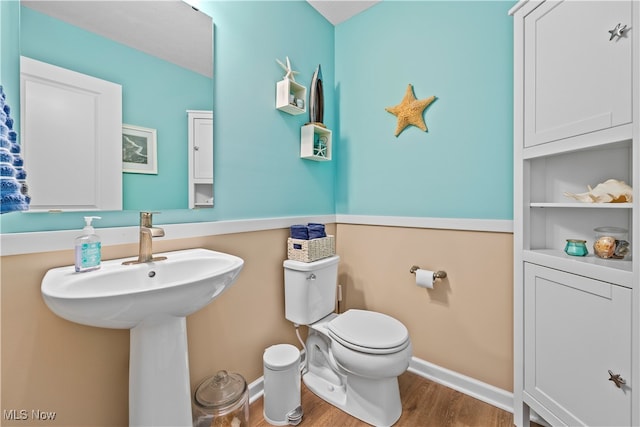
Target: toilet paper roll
[(424, 278)]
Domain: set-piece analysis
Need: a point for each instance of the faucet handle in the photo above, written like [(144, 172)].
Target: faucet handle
[(146, 219)]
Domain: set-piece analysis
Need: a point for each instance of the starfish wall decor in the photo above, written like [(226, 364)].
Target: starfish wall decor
[(289, 73), (409, 111)]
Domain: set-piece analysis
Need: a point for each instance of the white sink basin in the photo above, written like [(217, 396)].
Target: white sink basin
[(152, 299), (121, 296)]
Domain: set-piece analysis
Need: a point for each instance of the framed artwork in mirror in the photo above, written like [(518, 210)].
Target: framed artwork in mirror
[(139, 150)]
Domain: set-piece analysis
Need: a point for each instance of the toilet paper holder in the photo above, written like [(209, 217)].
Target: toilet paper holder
[(436, 275)]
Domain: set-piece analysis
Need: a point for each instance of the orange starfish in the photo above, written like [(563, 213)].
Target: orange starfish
[(409, 111)]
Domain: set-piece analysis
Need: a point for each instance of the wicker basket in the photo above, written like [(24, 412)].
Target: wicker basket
[(311, 250)]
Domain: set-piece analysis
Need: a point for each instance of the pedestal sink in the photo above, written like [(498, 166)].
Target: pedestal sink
[(152, 300)]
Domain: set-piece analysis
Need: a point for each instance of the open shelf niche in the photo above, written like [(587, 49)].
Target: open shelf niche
[(315, 143), (291, 97)]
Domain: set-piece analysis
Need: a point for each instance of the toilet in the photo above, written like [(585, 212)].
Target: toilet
[(352, 359)]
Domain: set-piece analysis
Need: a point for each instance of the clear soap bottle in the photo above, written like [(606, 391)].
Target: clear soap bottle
[(88, 247)]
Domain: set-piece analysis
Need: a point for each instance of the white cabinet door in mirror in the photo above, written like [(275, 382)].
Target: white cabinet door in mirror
[(200, 158), (71, 130)]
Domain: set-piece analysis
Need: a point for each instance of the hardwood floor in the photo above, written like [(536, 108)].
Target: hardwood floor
[(424, 404)]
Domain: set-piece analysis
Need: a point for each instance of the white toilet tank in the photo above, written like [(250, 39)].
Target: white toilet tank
[(310, 289)]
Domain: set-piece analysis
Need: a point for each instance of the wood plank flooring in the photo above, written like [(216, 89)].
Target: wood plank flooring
[(424, 404)]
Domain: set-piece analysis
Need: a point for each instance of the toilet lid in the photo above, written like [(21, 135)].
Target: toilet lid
[(369, 332)]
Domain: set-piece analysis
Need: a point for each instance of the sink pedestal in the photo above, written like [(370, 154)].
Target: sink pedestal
[(159, 389), (152, 299)]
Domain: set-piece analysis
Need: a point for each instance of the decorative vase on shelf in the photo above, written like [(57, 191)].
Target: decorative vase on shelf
[(316, 99)]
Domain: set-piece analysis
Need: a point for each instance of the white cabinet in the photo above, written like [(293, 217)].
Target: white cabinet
[(576, 123), (200, 158), (577, 330), (578, 81)]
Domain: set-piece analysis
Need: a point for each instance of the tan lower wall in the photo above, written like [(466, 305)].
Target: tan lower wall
[(81, 372), (466, 322)]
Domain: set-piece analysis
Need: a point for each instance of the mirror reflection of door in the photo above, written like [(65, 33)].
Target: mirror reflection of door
[(71, 130)]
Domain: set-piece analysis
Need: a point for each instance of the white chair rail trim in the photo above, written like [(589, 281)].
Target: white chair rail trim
[(47, 241)]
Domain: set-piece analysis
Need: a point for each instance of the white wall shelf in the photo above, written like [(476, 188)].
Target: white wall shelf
[(582, 205), (315, 143), (289, 95), (616, 271)]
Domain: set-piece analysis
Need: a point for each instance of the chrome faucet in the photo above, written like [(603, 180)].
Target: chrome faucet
[(147, 233)]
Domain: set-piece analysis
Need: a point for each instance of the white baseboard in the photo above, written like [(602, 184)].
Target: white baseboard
[(477, 389), (256, 390), (471, 387), (467, 385)]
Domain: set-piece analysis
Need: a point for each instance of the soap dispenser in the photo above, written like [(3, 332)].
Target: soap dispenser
[(88, 247)]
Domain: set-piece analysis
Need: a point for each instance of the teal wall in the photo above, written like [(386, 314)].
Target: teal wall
[(461, 52), (258, 169)]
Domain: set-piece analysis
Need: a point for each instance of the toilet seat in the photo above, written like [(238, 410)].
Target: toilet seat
[(369, 332)]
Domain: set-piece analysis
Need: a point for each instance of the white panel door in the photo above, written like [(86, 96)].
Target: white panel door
[(71, 136), (576, 330), (577, 80)]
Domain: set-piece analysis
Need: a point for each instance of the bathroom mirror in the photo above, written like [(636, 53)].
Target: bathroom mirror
[(161, 52)]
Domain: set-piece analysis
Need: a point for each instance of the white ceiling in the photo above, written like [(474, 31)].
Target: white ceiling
[(337, 11), (171, 30)]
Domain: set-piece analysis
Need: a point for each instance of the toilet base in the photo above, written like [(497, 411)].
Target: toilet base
[(376, 402)]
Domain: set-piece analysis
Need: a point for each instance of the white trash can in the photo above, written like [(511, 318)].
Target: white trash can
[(282, 385)]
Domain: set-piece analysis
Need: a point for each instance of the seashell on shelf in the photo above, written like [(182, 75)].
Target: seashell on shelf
[(610, 191)]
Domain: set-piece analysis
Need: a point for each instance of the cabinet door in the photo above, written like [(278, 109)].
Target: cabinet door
[(203, 148), (576, 330), (576, 80)]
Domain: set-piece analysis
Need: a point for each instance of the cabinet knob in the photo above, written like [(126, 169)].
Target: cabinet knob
[(617, 31), (617, 379), (196, 148)]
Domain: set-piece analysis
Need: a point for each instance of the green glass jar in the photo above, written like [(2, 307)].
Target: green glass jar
[(575, 247)]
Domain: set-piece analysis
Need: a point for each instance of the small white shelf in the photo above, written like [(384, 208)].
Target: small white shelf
[(288, 95), (607, 270), (315, 143), (582, 205)]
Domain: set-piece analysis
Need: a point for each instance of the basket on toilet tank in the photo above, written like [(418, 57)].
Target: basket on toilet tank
[(310, 250)]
